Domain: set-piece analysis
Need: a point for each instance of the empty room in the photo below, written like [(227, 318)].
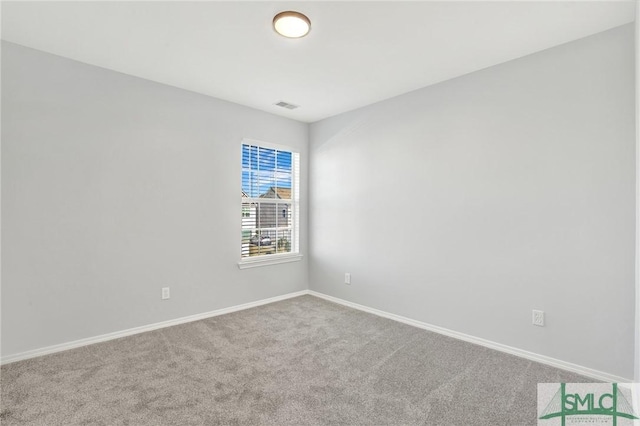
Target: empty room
[(319, 213)]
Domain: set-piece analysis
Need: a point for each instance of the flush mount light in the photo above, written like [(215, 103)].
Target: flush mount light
[(291, 24)]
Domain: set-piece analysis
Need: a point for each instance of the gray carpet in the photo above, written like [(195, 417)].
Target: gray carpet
[(303, 361)]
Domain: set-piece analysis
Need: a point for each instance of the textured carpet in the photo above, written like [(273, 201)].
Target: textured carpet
[(303, 361)]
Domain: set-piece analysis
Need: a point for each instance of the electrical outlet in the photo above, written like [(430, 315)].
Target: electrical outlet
[(165, 293), (347, 278), (538, 318)]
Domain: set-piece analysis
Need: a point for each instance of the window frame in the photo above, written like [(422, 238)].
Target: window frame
[(276, 258)]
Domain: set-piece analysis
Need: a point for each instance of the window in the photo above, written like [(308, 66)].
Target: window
[(270, 202)]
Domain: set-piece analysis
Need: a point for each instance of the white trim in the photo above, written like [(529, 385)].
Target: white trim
[(268, 260), (637, 246), (295, 196), (563, 365), (137, 330)]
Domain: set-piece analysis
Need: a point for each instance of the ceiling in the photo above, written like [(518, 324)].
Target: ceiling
[(357, 53)]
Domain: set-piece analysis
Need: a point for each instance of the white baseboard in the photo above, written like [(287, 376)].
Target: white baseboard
[(574, 368), (118, 334)]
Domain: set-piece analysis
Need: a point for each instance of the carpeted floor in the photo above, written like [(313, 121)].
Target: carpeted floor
[(303, 361)]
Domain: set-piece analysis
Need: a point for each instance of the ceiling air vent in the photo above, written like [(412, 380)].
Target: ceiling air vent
[(286, 105)]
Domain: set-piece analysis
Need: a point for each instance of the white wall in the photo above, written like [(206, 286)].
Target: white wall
[(637, 52), (465, 204), (114, 187), (469, 203)]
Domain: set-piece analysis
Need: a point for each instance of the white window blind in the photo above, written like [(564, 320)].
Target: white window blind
[(270, 222)]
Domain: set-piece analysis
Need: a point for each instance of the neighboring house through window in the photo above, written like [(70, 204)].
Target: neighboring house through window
[(270, 201)]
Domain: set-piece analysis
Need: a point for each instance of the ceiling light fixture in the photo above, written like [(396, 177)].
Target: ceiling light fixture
[(291, 24)]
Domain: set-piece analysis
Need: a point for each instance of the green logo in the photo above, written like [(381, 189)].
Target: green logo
[(587, 403)]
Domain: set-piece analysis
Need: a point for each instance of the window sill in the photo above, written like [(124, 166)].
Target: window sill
[(269, 260)]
